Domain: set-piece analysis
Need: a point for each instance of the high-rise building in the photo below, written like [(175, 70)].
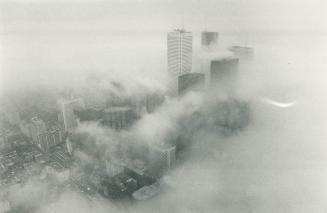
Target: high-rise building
[(162, 157), (69, 146), (49, 139), (209, 38), (114, 167), (179, 46), (36, 127), (223, 74), (190, 82), (242, 52), (119, 117), (69, 117)]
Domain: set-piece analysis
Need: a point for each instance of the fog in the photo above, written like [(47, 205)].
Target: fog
[(275, 163)]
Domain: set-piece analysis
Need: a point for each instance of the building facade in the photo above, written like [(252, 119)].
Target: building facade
[(49, 139), (69, 117), (161, 158), (114, 167), (242, 52), (119, 117), (209, 38), (35, 128), (191, 82), (223, 75), (179, 47)]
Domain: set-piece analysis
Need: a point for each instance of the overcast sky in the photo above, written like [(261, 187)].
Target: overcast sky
[(277, 164), (35, 16)]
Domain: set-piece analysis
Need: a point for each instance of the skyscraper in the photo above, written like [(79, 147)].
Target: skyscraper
[(179, 47), (119, 117), (162, 157), (36, 127), (49, 139), (68, 108), (190, 82), (69, 146), (223, 74), (244, 53), (209, 38), (114, 167)]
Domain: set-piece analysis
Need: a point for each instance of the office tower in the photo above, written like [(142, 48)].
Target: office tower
[(49, 139), (119, 117), (190, 82), (69, 146), (114, 167), (162, 157), (179, 46), (223, 75), (209, 38), (69, 117), (242, 52), (36, 127), (90, 114)]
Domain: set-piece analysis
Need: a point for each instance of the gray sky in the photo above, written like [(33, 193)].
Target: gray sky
[(35, 16), (277, 164)]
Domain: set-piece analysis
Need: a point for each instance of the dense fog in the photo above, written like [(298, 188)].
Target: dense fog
[(261, 150)]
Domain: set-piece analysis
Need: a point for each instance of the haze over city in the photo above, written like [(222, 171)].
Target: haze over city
[(93, 92)]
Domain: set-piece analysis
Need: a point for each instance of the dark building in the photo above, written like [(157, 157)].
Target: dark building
[(49, 139), (209, 38), (242, 52), (223, 75), (119, 117), (190, 82), (91, 114)]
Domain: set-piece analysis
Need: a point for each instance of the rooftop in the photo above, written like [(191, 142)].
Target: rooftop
[(146, 192), (116, 109)]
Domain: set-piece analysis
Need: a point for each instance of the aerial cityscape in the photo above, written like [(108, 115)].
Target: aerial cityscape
[(200, 120)]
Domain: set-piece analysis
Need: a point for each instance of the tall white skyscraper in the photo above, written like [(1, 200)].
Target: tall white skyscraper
[(68, 107), (179, 46)]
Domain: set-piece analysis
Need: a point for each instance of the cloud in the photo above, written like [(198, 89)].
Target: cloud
[(275, 164)]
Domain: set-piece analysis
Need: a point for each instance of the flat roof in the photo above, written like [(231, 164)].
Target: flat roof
[(115, 109)]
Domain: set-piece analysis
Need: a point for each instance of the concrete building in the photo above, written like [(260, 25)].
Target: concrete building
[(90, 114), (223, 75), (179, 46), (209, 38), (49, 139), (69, 117), (162, 157), (146, 192), (191, 82), (242, 52), (179, 51), (119, 117), (35, 128), (69, 146), (114, 167)]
